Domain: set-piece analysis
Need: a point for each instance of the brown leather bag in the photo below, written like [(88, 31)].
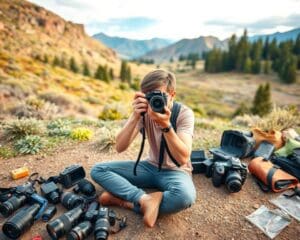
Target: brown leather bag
[(271, 177), (271, 136)]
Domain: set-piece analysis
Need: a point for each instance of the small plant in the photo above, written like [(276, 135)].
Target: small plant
[(21, 128), (113, 112), (108, 139), (7, 152), (29, 145), (59, 127), (81, 133)]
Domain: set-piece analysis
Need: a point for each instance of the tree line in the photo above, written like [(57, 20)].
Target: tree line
[(256, 57)]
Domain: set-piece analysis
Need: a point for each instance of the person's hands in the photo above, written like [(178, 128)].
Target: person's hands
[(139, 104), (163, 120)]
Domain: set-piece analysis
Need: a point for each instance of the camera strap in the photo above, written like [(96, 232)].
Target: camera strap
[(163, 144)]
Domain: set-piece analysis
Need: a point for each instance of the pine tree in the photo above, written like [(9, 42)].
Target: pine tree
[(267, 66), (99, 74), (73, 65), (56, 61), (262, 104), (111, 74), (247, 65), (46, 59), (128, 75), (86, 70), (266, 49), (123, 71), (288, 70)]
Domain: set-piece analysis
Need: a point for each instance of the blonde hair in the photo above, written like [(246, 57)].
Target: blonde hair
[(158, 78)]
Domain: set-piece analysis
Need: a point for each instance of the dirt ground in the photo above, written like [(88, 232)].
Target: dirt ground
[(215, 215)]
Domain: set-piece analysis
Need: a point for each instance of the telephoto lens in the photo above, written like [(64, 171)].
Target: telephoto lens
[(15, 226), (62, 225), (70, 200), (102, 224), (81, 231), (11, 205)]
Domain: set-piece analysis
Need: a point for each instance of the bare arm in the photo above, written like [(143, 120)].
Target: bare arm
[(130, 130)]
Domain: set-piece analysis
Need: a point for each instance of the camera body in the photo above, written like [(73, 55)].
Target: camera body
[(157, 100), (105, 219), (71, 175), (51, 192), (229, 171)]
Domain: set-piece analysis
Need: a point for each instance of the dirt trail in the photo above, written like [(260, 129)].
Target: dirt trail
[(215, 215)]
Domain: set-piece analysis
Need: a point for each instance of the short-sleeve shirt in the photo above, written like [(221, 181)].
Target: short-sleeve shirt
[(184, 123)]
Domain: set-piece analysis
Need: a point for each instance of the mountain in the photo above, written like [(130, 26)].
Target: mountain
[(130, 48), (279, 36), (28, 29), (184, 47)]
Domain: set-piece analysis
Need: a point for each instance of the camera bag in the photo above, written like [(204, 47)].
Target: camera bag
[(290, 164), (271, 177), (271, 136), (235, 143)]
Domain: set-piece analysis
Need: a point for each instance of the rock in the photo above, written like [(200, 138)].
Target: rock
[(256, 206)]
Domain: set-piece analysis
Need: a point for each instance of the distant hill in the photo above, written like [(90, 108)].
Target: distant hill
[(279, 36), (28, 29), (184, 47), (130, 48)]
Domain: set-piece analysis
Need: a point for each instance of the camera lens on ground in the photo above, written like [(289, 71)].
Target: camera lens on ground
[(70, 200), (86, 187), (233, 181), (11, 205), (15, 226), (62, 225), (81, 231)]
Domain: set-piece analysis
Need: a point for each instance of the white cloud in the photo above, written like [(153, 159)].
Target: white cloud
[(175, 19)]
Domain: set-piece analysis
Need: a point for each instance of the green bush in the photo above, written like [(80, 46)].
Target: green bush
[(6, 152), (29, 145), (23, 127), (113, 112), (81, 133), (59, 127)]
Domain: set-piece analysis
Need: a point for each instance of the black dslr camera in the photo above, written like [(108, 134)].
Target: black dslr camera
[(157, 100), (229, 170)]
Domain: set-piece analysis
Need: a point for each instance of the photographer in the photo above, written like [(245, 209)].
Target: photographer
[(176, 190)]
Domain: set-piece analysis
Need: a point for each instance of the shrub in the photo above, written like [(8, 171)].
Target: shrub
[(20, 128), (58, 99), (81, 134), (113, 112), (29, 145), (59, 127), (6, 152), (246, 120), (108, 139), (280, 119)]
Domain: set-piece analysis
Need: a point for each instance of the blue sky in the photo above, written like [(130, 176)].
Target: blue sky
[(176, 19)]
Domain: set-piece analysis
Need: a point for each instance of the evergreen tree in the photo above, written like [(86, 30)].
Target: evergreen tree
[(86, 69), (56, 61), (128, 75), (262, 104), (46, 59), (111, 74), (73, 65), (267, 66), (232, 45), (288, 70), (266, 49), (247, 65), (123, 71)]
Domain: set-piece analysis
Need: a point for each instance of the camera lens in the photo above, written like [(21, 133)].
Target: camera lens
[(21, 221), (62, 225), (86, 187), (70, 200), (81, 231), (102, 229), (233, 181), (54, 197), (11, 205), (157, 104)]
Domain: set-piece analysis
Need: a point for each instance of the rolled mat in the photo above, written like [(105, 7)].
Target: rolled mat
[(270, 177)]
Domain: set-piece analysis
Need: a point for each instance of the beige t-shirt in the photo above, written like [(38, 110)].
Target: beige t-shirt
[(184, 123)]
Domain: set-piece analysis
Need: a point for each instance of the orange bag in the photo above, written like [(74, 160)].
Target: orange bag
[(270, 177), (271, 136)]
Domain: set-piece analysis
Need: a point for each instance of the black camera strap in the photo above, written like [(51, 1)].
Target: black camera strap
[(163, 146), (163, 143)]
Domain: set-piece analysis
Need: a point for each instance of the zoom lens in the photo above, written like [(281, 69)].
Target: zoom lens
[(11, 205), (233, 181), (81, 231), (86, 187), (15, 226), (62, 225), (157, 104), (70, 200)]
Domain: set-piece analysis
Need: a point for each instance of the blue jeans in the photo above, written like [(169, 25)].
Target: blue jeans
[(117, 178)]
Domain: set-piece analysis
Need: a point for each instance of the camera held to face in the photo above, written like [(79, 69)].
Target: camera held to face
[(157, 100)]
